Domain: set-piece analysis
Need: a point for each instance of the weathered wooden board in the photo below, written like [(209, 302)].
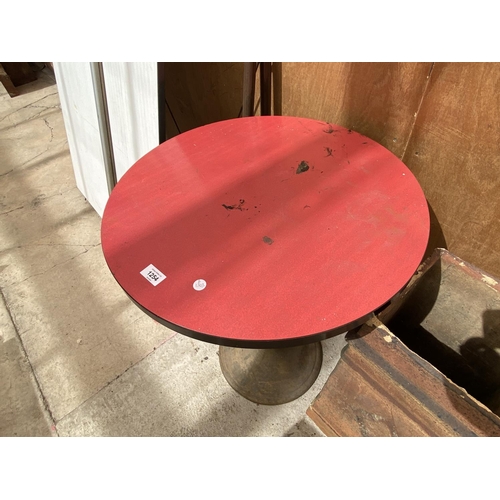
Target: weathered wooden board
[(199, 93), (19, 73), (6, 81), (382, 388), (379, 100), (455, 153)]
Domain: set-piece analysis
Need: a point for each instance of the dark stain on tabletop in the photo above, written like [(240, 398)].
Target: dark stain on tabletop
[(267, 240), (303, 167), (236, 206), (330, 129)]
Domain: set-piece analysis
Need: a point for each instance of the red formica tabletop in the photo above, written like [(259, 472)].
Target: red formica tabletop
[(265, 231)]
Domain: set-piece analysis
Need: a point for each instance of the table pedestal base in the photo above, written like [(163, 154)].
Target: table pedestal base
[(271, 376)]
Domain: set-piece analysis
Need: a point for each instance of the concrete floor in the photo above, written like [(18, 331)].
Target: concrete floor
[(77, 358)]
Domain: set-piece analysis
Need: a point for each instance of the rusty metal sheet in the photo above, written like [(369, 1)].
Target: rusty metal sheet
[(382, 388), (450, 315)]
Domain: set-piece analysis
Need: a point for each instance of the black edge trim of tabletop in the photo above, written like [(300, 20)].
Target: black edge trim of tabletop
[(254, 344)]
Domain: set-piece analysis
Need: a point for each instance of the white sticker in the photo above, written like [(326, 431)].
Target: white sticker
[(152, 274), (199, 285)]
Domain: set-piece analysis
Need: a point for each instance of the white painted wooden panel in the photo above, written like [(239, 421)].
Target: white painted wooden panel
[(132, 96), (74, 84), (131, 90)]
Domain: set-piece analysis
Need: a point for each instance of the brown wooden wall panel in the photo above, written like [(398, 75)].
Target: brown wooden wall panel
[(455, 153), (198, 93), (378, 100)]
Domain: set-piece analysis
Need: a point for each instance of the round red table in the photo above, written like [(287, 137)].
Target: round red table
[(265, 235)]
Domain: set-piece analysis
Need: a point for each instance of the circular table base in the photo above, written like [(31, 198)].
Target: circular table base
[(271, 376)]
